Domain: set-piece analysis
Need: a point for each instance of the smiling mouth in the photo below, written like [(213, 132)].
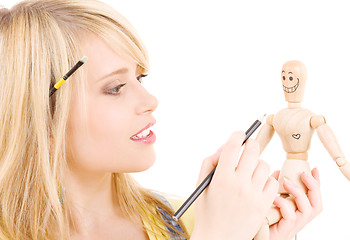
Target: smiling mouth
[(145, 132), (291, 89)]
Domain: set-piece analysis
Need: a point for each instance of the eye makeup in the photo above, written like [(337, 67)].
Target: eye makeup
[(115, 90)]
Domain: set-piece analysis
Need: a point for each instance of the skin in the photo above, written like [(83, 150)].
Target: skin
[(238, 198), (309, 205), (112, 118)]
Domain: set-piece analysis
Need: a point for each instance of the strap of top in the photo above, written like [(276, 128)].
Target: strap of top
[(168, 219)]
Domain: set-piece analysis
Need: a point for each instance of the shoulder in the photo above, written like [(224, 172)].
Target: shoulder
[(269, 119), (317, 121)]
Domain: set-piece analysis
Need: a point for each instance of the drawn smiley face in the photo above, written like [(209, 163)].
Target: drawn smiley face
[(290, 82)]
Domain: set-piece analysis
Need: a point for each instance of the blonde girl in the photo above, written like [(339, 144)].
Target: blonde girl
[(65, 159)]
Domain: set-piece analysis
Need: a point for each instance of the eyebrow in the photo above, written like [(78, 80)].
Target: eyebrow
[(116, 72), (290, 73)]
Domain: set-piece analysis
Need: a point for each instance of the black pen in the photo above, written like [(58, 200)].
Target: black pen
[(207, 180)]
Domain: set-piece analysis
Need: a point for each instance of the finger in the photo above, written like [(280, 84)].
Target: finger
[(301, 200), (271, 188), (208, 165), (316, 174), (314, 192), (287, 208), (309, 180), (230, 154), (249, 159), (261, 174), (275, 174)]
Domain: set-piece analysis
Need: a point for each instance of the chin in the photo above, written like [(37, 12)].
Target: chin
[(147, 164), (143, 163)]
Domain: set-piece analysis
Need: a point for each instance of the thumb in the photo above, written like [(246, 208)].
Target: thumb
[(208, 165)]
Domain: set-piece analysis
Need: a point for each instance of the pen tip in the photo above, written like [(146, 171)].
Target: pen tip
[(84, 59), (262, 117)]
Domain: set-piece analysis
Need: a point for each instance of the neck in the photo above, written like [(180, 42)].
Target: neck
[(91, 197), (294, 104)]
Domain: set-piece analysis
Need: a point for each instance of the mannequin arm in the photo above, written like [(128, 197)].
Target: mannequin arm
[(266, 133), (330, 142)]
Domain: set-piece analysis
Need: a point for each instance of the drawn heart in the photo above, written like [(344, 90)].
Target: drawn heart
[(296, 136)]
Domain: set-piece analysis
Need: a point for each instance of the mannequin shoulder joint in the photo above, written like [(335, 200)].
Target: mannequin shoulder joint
[(317, 121), (269, 119)]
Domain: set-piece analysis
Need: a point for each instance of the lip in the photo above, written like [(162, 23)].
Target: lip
[(147, 126), (150, 139)]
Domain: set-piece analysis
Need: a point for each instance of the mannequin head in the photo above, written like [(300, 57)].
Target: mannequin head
[(293, 80)]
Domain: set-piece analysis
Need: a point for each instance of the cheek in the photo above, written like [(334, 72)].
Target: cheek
[(107, 138), (104, 144), (105, 123)]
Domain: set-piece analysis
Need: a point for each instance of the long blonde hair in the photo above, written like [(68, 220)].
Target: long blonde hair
[(39, 42)]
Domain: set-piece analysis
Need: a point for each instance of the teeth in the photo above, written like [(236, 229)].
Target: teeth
[(291, 89), (142, 134)]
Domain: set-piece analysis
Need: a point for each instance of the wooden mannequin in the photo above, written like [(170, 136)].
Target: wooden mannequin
[(295, 126)]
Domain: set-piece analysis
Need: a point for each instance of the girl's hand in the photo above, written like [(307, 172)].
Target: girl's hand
[(308, 205), (239, 196)]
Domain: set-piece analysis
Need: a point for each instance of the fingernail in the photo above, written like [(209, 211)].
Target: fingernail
[(307, 174)]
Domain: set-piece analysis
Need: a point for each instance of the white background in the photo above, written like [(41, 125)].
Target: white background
[(215, 68)]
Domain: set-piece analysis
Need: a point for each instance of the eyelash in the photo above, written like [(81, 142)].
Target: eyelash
[(139, 78), (115, 91)]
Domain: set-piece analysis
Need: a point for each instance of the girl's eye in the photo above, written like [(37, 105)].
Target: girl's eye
[(139, 78), (116, 90)]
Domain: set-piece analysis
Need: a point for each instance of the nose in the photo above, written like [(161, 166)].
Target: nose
[(147, 102)]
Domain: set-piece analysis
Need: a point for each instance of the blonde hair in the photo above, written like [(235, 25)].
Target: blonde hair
[(39, 42)]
